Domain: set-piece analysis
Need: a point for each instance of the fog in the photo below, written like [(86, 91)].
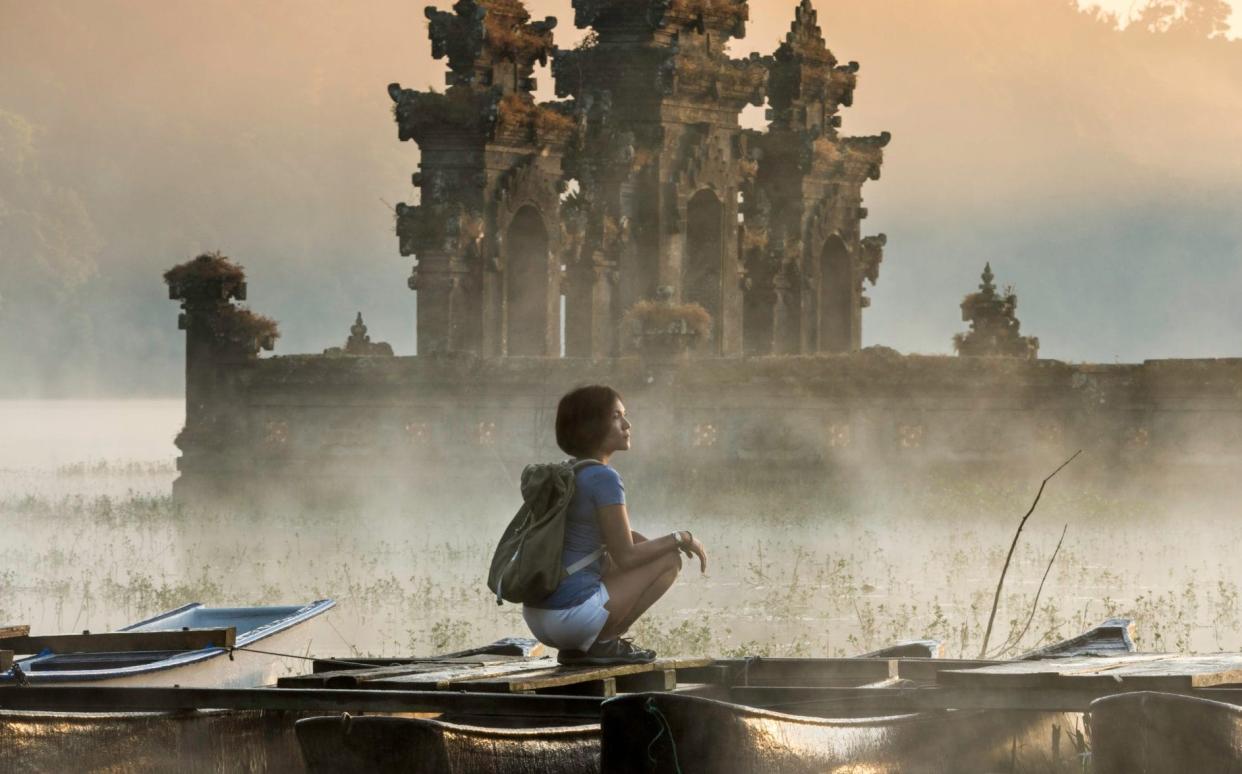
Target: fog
[(1097, 169), (823, 565)]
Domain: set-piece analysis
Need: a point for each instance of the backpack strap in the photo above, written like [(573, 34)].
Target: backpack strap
[(591, 558), (584, 562)]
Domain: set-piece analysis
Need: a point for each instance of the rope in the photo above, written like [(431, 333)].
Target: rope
[(654, 711)]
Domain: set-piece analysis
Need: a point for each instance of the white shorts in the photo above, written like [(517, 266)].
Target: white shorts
[(574, 628)]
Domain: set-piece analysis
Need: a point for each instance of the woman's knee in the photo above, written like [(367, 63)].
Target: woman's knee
[(672, 562)]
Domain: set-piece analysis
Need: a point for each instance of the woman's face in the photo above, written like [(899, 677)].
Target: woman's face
[(618, 438)]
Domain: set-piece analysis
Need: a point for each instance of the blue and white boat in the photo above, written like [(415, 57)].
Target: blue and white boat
[(281, 632)]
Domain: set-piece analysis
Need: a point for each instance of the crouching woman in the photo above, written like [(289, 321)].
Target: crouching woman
[(588, 612)]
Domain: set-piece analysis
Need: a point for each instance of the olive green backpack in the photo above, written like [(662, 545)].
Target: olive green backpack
[(527, 567)]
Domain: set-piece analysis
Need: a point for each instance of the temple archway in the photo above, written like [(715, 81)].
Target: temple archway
[(527, 284), (705, 256), (836, 298)]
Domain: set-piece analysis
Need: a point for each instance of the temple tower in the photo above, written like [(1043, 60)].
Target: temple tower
[(805, 259), (660, 160), (640, 184), (486, 231)]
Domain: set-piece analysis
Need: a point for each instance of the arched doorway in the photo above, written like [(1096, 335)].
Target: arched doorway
[(705, 256), (526, 286), (836, 298)]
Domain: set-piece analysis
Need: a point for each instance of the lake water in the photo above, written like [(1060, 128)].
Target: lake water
[(47, 434), (92, 539)]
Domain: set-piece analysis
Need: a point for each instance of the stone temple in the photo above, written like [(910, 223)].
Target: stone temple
[(639, 178), (713, 274)]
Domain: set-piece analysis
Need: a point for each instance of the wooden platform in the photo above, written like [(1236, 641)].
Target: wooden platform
[(488, 673), (1132, 672)]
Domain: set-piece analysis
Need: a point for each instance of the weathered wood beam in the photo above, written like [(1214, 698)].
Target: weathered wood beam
[(857, 702), (6, 660), (79, 699), (827, 672), (20, 630), (116, 642)]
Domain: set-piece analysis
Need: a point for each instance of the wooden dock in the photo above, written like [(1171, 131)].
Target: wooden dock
[(486, 673)]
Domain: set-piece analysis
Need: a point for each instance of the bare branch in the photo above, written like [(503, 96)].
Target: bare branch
[(987, 635), (1013, 641)]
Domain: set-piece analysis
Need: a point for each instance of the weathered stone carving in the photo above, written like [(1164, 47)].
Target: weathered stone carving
[(994, 326), (759, 228), (359, 344)]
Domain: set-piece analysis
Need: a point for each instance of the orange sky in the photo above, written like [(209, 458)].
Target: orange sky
[(1098, 171)]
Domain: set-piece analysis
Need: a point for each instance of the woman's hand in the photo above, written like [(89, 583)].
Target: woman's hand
[(692, 548)]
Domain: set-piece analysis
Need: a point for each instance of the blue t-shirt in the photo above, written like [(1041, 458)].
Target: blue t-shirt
[(595, 487)]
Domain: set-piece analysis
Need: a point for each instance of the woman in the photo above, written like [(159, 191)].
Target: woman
[(591, 608)]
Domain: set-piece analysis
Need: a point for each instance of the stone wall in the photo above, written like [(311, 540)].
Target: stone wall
[(304, 424)]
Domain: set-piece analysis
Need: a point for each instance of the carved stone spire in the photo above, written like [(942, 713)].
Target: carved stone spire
[(807, 87), (359, 343), (490, 43), (725, 18), (994, 327)]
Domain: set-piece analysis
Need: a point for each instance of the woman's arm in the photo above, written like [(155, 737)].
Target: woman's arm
[(628, 549)]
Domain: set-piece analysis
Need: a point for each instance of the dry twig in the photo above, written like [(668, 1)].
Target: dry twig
[(1013, 641), (1000, 583)]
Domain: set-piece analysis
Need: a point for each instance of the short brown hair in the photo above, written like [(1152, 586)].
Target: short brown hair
[(582, 419)]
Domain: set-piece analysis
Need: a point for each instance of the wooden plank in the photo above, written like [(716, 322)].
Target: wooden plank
[(321, 665), (926, 670), (561, 676), (13, 630), (6, 660), (827, 672), (605, 688), (95, 699), (117, 642), (655, 680), (442, 679), (1170, 674), (351, 678), (713, 674), (1036, 674)]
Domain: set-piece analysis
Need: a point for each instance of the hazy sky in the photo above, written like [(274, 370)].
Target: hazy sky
[(1097, 170)]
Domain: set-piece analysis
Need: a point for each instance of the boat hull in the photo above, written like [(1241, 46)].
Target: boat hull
[(246, 669), (388, 744), (1146, 733), (673, 733), (203, 742), (271, 642)]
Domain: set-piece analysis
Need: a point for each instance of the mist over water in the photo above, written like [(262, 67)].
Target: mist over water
[(825, 567)]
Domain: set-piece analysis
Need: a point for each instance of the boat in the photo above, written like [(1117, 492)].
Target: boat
[(412, 745), (1146, 732), (274, 630), (1113, 637), (668, 732)]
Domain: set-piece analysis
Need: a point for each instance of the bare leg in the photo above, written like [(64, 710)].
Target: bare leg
[(632, 592)]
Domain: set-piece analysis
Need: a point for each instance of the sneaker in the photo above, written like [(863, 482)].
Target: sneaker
[(618, 651)]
